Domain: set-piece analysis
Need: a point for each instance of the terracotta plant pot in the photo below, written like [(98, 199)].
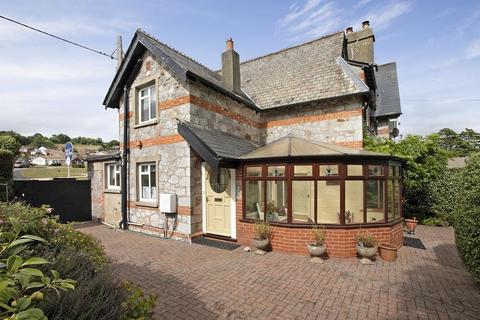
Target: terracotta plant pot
[(411, 225), (261, 244), (316, 250), (388, 252)]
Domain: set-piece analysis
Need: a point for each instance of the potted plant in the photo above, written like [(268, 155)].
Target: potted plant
[(411, 225), (317, 248), (366, 248), (388, 252), (261, 238)]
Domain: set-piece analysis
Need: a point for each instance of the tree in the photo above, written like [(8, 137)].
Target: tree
[(60, 138), (459, 144), (9, 143), (40, 141)]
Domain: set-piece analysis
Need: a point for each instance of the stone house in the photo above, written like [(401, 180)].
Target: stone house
[(276, 138)]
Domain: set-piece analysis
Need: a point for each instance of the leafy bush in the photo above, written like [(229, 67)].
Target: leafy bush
[(9, 143), (22, 284), (436, 222), (99, 293), (445, 193), (467, 217), (6, 165)]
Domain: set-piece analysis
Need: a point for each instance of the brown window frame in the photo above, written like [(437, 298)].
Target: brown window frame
[(342, 178)]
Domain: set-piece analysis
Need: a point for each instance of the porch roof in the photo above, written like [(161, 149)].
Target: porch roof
[(217, 148)]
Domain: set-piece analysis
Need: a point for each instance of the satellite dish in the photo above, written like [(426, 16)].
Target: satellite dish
[(395, 132)]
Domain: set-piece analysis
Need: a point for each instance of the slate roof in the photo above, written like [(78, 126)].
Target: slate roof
[(178, 63), (311, 71), (103, 156), (224, 145), (388, 95), (307, 72), (292, 146)]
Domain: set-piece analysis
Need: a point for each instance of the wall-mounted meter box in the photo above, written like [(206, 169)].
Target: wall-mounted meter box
[(168, 202)]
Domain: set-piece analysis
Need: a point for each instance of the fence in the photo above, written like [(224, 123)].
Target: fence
[(70, 198)]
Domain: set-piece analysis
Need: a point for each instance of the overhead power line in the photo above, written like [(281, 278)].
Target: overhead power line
[(57, 37)]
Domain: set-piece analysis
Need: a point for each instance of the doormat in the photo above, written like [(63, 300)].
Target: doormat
[(215, 243), (414, 243)]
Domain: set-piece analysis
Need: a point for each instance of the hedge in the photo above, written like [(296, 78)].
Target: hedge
[(467, 217), (445, 192), (6, 165)]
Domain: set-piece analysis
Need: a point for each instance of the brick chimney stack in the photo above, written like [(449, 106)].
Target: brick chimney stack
[(231, 67)]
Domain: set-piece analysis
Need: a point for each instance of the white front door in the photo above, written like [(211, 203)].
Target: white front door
[(218, 197)]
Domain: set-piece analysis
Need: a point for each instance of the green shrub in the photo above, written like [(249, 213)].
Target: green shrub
[(446, 192), (9, 143), (467, 217), (436, 222), (6, 165), (22, 283), (99, 293)]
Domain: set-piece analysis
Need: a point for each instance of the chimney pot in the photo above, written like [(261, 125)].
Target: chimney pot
[(349, 30), (229, 44), (366, 24)]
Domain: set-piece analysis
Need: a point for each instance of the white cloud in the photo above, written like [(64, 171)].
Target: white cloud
[(473, 50), (384, 16), (11, 32), (314, 18), (296, 12)]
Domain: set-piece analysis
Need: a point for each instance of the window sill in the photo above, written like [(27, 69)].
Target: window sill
[(146, 123), (153, 204), (112, 191)]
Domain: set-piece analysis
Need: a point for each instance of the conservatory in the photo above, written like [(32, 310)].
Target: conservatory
[(294, 183)]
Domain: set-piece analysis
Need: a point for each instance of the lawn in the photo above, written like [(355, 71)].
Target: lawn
[(53, 172)]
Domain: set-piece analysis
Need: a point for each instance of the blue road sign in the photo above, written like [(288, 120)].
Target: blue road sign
[(68, 150)]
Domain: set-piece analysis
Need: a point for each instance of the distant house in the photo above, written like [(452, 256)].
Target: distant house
[(39, 161)]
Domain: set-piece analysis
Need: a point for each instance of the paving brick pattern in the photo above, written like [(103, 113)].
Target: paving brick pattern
[(199, 282)]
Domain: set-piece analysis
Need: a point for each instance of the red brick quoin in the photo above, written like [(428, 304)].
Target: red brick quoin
[(340, 242)]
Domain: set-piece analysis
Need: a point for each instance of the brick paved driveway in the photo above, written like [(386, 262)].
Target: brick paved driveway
[(199, 282)]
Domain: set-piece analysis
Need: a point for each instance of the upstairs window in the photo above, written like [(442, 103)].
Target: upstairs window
[(147, 104)]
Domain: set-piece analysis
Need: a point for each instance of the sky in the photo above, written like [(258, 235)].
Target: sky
[(52, 87)]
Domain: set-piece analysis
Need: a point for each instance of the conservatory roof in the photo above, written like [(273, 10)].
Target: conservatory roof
[(291, 146)]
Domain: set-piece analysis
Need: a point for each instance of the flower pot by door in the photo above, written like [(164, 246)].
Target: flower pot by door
[(366, 254), (261, 245), (388, 252), (411, 225), (316, 251)]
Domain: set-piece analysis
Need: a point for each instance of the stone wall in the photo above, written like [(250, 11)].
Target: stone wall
[(96, 176), (212, 109), (338, 121), (159, 142)]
